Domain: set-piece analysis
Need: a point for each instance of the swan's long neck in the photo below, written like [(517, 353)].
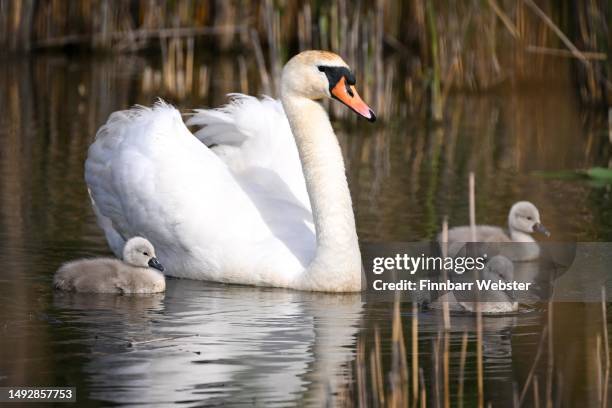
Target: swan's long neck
[(337, 262)]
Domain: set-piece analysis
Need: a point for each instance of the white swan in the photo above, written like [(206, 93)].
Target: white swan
[(237, 213), (523, 220), (108, 275)]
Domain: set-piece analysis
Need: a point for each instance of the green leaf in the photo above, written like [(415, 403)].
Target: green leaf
[(600, 173), (599, 176)]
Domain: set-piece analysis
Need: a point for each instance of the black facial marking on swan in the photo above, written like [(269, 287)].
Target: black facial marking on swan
[(334, 74)]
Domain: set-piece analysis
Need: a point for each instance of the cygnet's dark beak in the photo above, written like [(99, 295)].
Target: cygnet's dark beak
[(538, 227), (154, 263)]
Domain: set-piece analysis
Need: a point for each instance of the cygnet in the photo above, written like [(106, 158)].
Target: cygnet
[(139, 272)]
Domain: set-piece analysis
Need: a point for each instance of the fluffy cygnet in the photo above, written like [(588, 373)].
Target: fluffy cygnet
[(139, 272), (523, 220), (499, 268)]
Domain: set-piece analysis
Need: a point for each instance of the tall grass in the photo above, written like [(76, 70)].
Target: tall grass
[(386, 383), (441, 44)]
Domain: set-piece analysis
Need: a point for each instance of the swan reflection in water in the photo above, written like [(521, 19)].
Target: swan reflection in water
[(210, 343), (202, 342)]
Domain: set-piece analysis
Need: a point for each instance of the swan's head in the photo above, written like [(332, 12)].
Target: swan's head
[(525, 217), (321, 74), (140, 252)]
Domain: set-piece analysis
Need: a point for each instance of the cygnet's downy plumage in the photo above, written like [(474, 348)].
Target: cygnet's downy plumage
[(499, 268), (523, 220), (139, 272)]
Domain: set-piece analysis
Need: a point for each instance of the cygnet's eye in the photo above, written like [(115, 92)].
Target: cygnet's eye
[(145, 253), (529, 218)]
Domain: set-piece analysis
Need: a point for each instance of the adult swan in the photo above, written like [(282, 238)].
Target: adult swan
[(230, 205)]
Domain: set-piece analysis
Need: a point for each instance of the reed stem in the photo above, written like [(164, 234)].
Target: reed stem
[(606, 347)]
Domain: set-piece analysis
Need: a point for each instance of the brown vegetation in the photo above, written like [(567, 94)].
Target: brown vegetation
[(441, 45)]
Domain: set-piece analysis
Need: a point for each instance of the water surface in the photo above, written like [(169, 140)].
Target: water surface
[(205, 343)]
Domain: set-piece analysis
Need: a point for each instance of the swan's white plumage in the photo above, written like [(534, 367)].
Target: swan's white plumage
[(243, 204), (252, 136), (148, 175)]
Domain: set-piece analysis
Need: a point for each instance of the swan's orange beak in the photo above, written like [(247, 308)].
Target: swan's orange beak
[(347, 94)]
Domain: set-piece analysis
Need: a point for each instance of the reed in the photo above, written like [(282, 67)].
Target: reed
[(606, 349), (610, 125), (399, 373), (447, 322), (536, 392), (551, 358), (397, 391), (472, 204), (531, 377), (436, 366), (436, 96), (415, 354), (442, 45), (461, 380), (479, 363), (599, 368)]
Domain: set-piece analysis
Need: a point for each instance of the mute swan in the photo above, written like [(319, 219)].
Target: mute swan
[(242, 211), (523, 220), (108, 275)]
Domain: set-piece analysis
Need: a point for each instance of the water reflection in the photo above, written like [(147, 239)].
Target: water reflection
[(275, 346), (214, 343)]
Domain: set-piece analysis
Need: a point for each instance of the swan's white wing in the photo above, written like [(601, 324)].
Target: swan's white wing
[(252, 136), (149, 176)]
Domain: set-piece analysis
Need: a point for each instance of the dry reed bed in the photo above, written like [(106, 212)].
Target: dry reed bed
[(441, 45), (398, 380)]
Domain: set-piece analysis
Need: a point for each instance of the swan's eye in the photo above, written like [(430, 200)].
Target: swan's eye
[(529, 218), (145, 253), (321, 68)]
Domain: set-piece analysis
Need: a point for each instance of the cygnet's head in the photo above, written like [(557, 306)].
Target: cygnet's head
[(500, 267), (322, 74), (525, 217), (140, 252)]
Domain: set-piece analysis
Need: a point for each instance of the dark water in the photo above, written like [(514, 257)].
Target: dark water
[(208, 343)]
